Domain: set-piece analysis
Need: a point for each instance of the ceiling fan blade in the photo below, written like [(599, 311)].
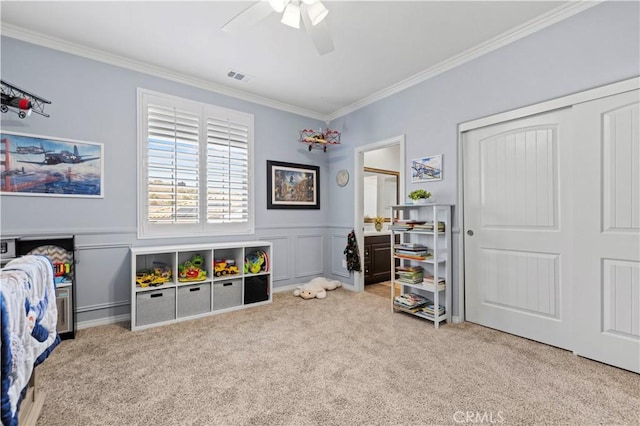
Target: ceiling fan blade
[(319, 33), (248, 17)]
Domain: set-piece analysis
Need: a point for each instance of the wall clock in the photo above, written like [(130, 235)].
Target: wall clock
[(342, 177)]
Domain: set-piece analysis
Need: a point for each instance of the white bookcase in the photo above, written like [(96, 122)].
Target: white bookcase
[(183, 298), (424, 246)]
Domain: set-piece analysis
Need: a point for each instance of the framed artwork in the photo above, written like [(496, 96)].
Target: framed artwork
[(41, 166), (292, 186), (426, 169)]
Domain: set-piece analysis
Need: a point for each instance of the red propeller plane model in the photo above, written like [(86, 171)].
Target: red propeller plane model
[(21, 101), (320, 139)]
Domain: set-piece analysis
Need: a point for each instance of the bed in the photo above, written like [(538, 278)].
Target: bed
[(29, 319)]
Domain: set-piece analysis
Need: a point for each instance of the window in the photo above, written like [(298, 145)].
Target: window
[(195, 168)]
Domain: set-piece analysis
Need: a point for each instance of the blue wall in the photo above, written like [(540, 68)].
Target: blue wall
[(96, 102), (596, 47)]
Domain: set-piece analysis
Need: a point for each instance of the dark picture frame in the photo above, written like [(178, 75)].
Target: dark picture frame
[(292, 186)]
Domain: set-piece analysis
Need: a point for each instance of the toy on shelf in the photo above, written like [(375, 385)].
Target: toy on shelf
[(160, 274), (225, 267), (256, 262), (191, 270)]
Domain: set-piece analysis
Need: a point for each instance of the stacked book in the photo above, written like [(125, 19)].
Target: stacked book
[(410, 275), (405, 225), (411, 300), (429, 310), (412, 251), (428, 227), (429, 280)]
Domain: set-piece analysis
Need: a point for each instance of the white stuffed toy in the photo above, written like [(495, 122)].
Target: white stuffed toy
[(316, 288)]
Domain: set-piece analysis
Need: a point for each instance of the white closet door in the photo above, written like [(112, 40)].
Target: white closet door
[(517, 262), (607, 237)]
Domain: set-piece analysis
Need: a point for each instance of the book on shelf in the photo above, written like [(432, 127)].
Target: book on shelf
[(428, 226), (413, 257), (410, 300), (412, 252), (408, 268), (429, 279), (411, 247), (429, 309), (414, 277)]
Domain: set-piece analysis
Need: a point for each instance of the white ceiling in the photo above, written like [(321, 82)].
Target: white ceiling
[(380, 46)]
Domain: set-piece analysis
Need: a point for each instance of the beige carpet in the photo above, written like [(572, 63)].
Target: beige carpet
[(344, 360)]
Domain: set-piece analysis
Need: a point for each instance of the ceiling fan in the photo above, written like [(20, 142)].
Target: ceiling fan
[(312, 13)]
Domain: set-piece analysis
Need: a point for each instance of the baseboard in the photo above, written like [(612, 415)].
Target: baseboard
[(456, 319), (127, 317), (104, 321)]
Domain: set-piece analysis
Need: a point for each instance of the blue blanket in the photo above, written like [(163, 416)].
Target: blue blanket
[(29, 319)]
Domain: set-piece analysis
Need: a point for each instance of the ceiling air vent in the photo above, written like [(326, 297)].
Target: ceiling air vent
[(235, 75)]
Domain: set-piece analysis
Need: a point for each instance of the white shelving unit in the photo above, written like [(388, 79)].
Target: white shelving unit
[(415, 239), (180, 299)]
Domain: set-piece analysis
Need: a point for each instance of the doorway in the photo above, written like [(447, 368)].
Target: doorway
[(386, 155)]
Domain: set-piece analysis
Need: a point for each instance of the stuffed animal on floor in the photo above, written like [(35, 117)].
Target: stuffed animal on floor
[(316, 288)]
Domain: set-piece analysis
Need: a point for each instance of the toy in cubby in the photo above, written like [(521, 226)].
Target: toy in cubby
[(191, 270), (160, 274), (256, 262), (225, 267)]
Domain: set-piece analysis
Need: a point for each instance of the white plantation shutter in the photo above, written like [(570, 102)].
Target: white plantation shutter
[(195, 168), (227, 171), (172, 166)]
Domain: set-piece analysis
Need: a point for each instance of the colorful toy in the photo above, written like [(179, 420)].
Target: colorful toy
[(160, 274), (256, 262), (191, 270), (225, 267)]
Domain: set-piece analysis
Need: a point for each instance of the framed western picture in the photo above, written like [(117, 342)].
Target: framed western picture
[(426, 169), (292, 186), (52, 167)]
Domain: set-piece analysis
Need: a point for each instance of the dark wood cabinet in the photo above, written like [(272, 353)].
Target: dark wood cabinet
[(377, 255)]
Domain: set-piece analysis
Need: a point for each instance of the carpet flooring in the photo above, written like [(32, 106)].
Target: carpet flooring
[(343, 360)]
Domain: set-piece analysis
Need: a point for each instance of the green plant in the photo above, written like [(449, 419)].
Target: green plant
[(419, 193)]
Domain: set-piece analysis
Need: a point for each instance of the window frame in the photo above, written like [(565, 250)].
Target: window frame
[(147, 229)]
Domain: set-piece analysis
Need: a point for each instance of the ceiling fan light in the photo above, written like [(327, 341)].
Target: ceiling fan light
[(291, 15), (317, 12), (278, 5)]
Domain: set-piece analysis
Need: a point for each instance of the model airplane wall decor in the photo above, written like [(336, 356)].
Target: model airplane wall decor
[(320, 139), (21, 101)]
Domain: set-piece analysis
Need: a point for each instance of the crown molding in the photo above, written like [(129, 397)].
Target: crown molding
[(553, 16), (40, 39)]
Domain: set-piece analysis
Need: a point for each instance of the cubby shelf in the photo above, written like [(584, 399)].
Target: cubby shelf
[(175, 300)]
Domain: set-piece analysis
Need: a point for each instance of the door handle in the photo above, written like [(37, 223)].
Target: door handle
[(470, 233)]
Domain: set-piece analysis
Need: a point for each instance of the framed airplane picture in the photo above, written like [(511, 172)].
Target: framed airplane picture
[(41, 166), (426, 169)]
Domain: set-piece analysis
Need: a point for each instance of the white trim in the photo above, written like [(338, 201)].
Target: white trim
[(358, 189), (104, 321), (565, 101), (40, 39), (553, 16)]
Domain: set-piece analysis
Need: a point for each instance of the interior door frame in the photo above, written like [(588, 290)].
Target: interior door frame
[(358, 187), (463, 128)]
